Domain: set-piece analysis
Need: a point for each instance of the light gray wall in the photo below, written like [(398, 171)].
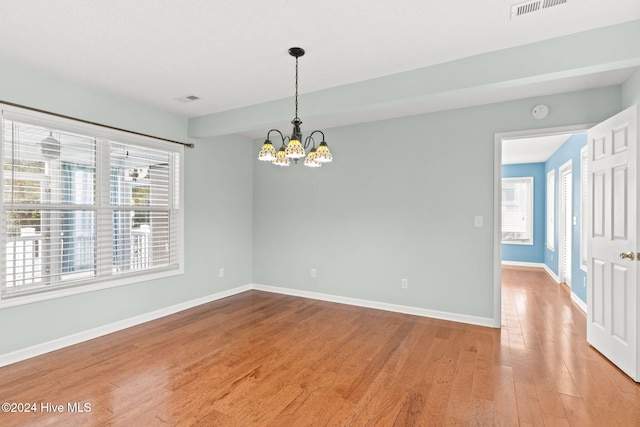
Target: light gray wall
[(219, 212), (24, 86), (631, 90), (399, 202), (218, 220), (364, 222)]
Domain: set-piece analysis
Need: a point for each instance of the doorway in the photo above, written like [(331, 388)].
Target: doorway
[(554, 251)]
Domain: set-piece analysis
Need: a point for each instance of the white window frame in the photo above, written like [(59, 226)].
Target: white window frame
[(530, 219), (103, 135), (551, 210)]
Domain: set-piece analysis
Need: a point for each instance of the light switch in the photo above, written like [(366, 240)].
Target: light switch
[(478, 221)]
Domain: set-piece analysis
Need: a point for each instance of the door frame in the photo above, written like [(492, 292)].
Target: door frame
[(566, 168), (497, 201)]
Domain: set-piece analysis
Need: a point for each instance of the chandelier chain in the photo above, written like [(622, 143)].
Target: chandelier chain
[(297, 118)]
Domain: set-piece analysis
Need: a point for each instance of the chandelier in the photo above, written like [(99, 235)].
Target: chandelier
[(292, 147)]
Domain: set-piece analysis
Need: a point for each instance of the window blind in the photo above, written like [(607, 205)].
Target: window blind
[(82, 207), (49, 186), (143, 196)]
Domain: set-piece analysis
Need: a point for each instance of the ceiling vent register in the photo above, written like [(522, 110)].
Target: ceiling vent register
[(534, 6)]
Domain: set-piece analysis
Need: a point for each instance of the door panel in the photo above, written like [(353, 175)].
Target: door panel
[(620, 210), (598, 204), (620, 139), (598, 148), (619, 286), (599, 277), (612, 296)]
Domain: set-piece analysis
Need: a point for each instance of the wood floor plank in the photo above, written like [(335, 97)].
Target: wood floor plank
[(548, 394), (577, 412), (506, 410), (529, 410), (460, 404), (439, 392), (483, 373), (553, 421), (262, 359), (365, 377), (389, 395), (411, 411)]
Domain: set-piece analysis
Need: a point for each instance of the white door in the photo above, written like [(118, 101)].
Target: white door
[(612, 279)]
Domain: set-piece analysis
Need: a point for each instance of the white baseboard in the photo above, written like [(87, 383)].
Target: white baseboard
[(579, 302), (46, 347), (524, 264), (550, 272), (416, 311)]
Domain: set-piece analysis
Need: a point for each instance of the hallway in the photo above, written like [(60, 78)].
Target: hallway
[(554, 371)]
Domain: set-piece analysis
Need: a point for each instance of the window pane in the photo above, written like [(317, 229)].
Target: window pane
[(139, 175), (49, 247), (42, 166), (142, 239), (517, 204)]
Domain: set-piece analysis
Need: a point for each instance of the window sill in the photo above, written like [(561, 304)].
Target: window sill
[(76, 290)]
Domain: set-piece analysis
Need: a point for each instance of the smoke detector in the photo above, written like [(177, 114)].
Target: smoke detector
[(531, 6), (540, 111)]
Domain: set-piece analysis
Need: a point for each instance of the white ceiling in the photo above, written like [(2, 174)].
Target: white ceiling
[(234, 53), (531, 149)]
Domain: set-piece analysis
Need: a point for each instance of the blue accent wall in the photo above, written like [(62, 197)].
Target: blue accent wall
[(535, 252), (570, 150), (538, 252)]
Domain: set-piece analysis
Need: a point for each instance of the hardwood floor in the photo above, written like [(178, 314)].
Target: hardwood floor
[(266, 359)]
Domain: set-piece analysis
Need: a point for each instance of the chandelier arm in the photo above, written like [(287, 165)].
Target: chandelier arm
[(307, 141), (318, 131), (276, 130)]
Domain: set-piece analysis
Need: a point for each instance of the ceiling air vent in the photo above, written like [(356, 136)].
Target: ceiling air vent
[(533, 6)]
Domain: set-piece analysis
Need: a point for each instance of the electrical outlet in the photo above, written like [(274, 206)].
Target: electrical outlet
[(313, 273), (404, 283), (221, 272)]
